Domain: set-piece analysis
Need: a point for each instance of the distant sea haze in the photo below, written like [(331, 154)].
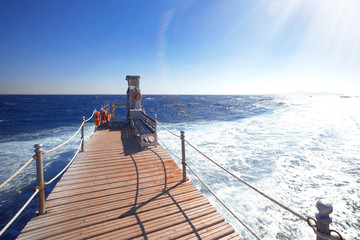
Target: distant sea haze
[(298, 149)]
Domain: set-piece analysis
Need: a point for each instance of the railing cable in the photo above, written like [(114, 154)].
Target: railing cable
[(320, 234), (45, 152), (90, 117), (19, 212), (168, 130), (222, 203), (250, 186), (106, 107), (77, 151), (17, 172), (51, 150), (241, 222), (241, 180), (47, 183), (59, 146), (169, 149)]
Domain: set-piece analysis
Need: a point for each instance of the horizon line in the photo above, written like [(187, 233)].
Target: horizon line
[(184, 94)]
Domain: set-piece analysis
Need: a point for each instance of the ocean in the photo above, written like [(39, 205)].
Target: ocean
[(297, 149)]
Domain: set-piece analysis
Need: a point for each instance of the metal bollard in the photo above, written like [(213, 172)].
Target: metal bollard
[(322, 217), (182, 136), (40, 178), (82, 133)]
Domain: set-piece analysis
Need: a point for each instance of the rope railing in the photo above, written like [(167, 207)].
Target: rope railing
[(167, 129), (324, 209), (64, 169), (222, 203), (59, 146), (38, 156), (203, 183), (90, 117), (106, 107), (45, 152), (246, 183), (168, 149), (16, 173), (19, 212), (249, 185)]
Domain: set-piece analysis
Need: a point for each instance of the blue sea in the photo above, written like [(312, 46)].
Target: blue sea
[(297, 149)]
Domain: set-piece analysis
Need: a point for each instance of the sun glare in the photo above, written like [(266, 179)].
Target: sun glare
[(328, 48)]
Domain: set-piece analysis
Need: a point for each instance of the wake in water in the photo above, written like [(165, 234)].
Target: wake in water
[(303, 151), (296, 149)]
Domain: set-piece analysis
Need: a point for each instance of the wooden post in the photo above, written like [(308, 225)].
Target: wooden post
[(82, 133), (40, 178), (322, 217), (182, 137)]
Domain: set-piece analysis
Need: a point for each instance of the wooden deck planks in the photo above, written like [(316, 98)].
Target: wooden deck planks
[(116, 190)]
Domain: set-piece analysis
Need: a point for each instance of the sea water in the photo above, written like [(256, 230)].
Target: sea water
[(296, 149)]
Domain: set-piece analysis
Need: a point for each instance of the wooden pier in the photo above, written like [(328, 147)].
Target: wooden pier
[(116, 190)]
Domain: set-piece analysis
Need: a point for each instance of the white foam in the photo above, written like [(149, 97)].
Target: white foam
[(298, 155), (15, 153)]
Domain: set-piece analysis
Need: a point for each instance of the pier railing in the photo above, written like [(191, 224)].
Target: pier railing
[(113, 108), (41, 184), (320, 225), (106, 106)]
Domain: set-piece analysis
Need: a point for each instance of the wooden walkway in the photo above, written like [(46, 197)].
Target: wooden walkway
[(115, 190)]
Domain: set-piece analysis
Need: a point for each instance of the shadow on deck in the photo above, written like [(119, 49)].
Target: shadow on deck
[(116, 190)]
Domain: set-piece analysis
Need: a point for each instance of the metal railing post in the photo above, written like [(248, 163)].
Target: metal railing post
[(182, 137), (322, 217), (155, 118), (95, 120), (113, 111), (82, 133), (40, 178)]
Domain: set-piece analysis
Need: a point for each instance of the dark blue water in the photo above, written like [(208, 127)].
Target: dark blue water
[(268, 140), (21, 114), (26, 114)]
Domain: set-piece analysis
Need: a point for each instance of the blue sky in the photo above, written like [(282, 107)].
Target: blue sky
[(180, 47)]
